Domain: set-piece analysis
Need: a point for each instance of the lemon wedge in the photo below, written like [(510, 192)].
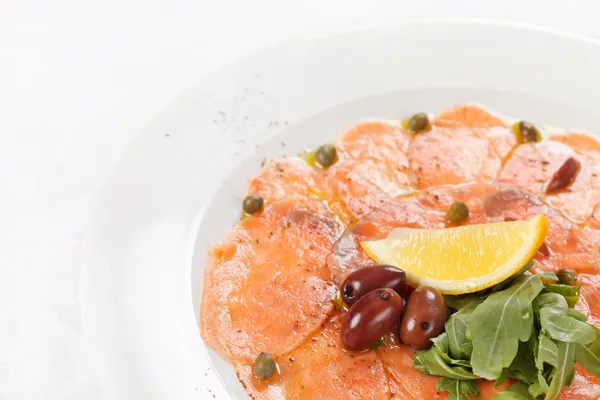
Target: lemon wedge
[(463, 259)]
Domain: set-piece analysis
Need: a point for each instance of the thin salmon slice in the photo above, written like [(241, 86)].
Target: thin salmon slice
[(466, 144), (372, 166), (568, 245), (407, 383), (588, 147), (586, 386), (481, 121), (447, 156), (293, 178), (531, 168), (320, 369), (267, 286)]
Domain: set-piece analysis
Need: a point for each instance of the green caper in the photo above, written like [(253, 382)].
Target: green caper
[(326, 155), (526, 132), (252, 204), (418, 122), (458, 212), (567, 276), (264, 366)]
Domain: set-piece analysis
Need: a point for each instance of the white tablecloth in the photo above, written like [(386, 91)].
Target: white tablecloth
[(77, 80)]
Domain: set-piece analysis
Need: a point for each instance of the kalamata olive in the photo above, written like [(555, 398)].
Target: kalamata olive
[(326, 155), (567, 276), (526, 132), (458, 212), (564, 176), (371, 317), (363, 281), (418, 122), (252, 203), (424, 317), (264, 366)]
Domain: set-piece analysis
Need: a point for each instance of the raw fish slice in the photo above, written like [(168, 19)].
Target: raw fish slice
[(465, 144), (531, 168), (320, 369), (372, 166), (267, 286), (293, 178)]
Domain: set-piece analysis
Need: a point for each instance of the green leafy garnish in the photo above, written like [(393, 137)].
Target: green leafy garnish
[(379, 343), (525, 329), (546, 357), (458, 390), (589, 355), (431, 362), (561, 326), (570, 293), (499, 323), (517, 391), (456, 328), (564, 372), (441, 344)]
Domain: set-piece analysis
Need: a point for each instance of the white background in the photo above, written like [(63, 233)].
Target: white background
[(77, 80)]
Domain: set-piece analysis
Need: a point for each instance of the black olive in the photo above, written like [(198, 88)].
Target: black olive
[(264, 366), (370, 318), (567, 276), (418, 122), (564, 176), (326, 155), (252, 204), (458, 212), (526, 132), (424, 318), (363, 281)]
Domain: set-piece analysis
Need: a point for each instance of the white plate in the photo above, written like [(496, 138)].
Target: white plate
[(157, 214)]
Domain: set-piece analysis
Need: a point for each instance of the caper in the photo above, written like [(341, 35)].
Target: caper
[(326, 155), (567, 276), (458, 212), (418, 122), (526, 132), (264, 366), (252, 204)]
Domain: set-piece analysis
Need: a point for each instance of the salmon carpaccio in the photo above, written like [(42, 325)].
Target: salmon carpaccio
[(271, 284)]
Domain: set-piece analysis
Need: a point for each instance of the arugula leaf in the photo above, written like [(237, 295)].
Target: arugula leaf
[(577, 315), (552, 300), (498, 324), (506, 283), (517, 391), (561, 326), (570, 293), (522, 367), (431, 362), (589, 356), (456, 328), (505, 374), (564, 372), (441, 344), (550, 276), (461, 301), (458, 390), (379, 343), (547, 353)]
